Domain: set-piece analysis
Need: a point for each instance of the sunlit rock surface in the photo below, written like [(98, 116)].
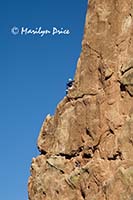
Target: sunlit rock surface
[(87, 146)]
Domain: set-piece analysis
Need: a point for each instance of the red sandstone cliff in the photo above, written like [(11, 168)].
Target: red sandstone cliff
[(87, 146)]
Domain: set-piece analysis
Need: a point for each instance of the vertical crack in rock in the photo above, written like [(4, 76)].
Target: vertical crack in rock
[(86, 147)]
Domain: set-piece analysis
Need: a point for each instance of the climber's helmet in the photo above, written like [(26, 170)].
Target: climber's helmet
[(69, 80)]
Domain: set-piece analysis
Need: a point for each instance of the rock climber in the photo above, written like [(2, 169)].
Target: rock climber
[(69, 84)]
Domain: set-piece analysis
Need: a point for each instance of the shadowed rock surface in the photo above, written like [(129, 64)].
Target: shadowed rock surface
[(87, 146)]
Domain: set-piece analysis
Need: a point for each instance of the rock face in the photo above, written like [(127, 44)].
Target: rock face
[(87, 146)]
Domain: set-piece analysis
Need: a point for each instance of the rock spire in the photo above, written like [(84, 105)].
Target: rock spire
[(87, 146)]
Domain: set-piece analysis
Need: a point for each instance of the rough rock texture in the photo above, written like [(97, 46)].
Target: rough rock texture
[(87, 146)]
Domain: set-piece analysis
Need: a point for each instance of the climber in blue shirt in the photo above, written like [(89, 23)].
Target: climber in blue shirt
[(69, 84)]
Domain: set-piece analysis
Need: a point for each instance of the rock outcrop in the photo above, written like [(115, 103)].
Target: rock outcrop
[(87, 146)]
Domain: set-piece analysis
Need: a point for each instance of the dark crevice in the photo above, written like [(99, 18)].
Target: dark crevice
[(131, 141), (108, 77), (77, 164), (67, 156), (74, 153), (88, 187), (122, 87), (94, 148), (111, 131), (116, 156), (55, 167), (117, 44), (81, 96), (43, 152), (88, 132), (82, 193), (75, 98), (126, 70), (57, 191), (96, 180), (71, 98), (44, 193), (87, 155)]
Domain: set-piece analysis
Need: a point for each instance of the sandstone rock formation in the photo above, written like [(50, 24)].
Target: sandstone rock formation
[(87, 146)]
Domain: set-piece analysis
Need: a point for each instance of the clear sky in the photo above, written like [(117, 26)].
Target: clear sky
[(33, 75)]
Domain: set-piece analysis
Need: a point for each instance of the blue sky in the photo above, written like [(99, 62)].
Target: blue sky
[(33, 75)]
